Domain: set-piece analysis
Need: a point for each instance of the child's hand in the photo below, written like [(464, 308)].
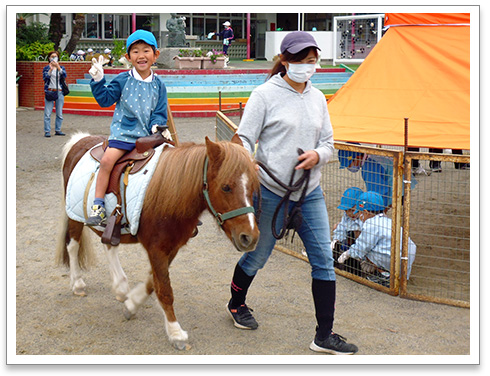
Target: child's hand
[(343, 257), (97, 72)]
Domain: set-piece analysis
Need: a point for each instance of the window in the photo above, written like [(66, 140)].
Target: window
[(198, 26), (123, 30), (317, 21), (108, 26), (91, 26)]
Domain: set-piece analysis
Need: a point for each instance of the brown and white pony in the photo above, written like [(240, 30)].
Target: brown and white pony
[(179, 191)]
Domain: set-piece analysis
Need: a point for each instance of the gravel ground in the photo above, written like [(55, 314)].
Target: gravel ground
[(52, 321)]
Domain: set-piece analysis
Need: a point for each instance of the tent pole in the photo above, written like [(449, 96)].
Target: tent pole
[(405, 143)]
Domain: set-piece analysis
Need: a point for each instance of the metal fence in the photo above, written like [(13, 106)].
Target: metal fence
[(426, 221)]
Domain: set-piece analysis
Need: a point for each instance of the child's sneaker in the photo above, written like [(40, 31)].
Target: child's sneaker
[(97, 216), (334, 344)]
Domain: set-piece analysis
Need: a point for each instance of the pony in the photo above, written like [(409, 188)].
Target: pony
[(188, 179)]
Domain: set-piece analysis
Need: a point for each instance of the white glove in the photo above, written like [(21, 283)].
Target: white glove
[(332, 244), (97, 72), (165, 133), (367, 267), (344, 256)]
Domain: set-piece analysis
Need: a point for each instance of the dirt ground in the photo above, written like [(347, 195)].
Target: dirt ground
[(50, 320)]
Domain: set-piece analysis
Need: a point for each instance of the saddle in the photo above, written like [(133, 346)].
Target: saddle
[(130, 163)]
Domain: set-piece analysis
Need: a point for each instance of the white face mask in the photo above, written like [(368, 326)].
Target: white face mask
[(54, 59), (301, 72)]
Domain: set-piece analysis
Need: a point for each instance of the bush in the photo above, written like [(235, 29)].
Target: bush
[(35, 32), (190, 53), (34, 51), (119, 49)]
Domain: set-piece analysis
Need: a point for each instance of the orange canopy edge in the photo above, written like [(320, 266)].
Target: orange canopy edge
[(419, 72), (426, 19)]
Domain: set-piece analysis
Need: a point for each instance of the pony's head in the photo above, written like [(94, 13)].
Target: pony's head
[(232, 180)]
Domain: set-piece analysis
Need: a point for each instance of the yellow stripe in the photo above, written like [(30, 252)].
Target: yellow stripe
[(171, 101)]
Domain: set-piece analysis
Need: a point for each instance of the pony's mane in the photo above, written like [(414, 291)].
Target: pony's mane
[(178, 178)]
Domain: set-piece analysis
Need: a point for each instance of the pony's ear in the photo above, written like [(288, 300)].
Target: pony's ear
[(236, 139), (213, 149)]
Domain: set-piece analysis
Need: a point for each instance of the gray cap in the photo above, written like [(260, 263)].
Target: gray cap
[(296, 41)]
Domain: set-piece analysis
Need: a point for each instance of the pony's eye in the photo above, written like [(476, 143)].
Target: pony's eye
[(226, 188)]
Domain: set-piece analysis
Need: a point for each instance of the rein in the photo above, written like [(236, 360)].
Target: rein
[(221, 218), (290, 221)]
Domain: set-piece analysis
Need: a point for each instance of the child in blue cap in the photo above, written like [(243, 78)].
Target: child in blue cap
[(376, 171), (349, 227), (373, 246), (141, 108)]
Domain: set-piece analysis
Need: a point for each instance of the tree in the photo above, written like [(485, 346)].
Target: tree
[(76, 33), (55, 33)]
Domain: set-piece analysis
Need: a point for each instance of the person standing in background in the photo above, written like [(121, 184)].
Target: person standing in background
[(53, 73)]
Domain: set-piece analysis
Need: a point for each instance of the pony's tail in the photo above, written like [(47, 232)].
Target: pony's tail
[(86, 255)]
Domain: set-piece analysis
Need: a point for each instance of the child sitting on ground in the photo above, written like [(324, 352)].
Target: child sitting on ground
[(141, 109), (349, 227), (373, 246)]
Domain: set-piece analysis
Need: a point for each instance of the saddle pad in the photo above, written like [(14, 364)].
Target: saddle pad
[(132, 202)]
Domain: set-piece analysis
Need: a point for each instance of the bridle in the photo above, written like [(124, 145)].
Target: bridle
[(221, 218)]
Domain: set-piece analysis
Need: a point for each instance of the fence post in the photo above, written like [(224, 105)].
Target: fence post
[(407, 180)]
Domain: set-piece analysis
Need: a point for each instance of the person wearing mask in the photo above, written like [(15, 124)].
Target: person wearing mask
[(53, 74), (283, 115)]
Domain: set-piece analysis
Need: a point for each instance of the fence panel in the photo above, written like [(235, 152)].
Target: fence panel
[(437, 218)]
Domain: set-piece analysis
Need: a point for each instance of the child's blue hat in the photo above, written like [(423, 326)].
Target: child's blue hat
[(142, 35), (349, 198), (346, 157), (370, 201)]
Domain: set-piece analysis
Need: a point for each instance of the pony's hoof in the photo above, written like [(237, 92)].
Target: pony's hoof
[(127, 313), (181, 345), (79, 293), (78, 288)]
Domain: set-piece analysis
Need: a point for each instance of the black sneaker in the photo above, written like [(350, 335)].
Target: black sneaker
[(97, 216), (334, 344), (242, 317)]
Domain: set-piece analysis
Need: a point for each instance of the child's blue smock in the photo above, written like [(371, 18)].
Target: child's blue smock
[(374, 243), (346, 224), (139, 105)]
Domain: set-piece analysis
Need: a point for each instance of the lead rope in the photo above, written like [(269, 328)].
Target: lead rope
[(293, 220)]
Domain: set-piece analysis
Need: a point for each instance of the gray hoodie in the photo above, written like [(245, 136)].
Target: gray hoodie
[(282, 120)]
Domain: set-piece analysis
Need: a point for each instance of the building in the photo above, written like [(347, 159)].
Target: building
[(266, 30)]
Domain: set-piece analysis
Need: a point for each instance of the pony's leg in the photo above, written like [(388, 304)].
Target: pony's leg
[(120, 285), (76, 282), (137, 296), (163, 289)]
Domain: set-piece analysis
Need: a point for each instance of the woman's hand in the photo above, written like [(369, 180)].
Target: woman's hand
[(308, 160), (54, 65)]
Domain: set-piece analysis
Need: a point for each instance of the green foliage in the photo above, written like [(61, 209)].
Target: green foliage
[(33, 42), (214, 55), (35, 32), (33, 51), (189, 53), (119, 49)]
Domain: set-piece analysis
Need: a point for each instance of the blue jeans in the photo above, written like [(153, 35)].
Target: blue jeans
[(48, 110), (314, 232)]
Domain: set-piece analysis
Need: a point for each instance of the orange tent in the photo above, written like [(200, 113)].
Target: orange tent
[(420, 70)]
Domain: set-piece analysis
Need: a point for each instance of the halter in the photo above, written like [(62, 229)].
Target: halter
[(221, 218)]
